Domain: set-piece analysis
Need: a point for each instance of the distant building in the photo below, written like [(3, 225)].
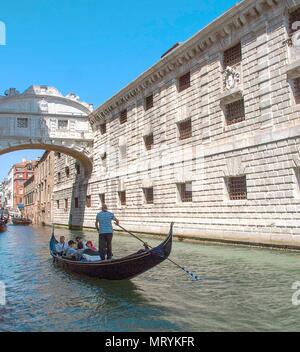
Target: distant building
[(38, 190), (9, 190), (21, 173), (2, 193)]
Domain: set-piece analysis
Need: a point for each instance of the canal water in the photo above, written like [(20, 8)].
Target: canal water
[(241, 289)]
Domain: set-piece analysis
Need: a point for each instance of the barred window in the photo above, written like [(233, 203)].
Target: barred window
[(184, 82), (149, 102), (149, 141), (76, 202), (297, 90), (88, 201), (122, 197), (233, 55), (293, 18), (235, 112), (148, 193), (123, 116), (185, 192), (103, 128), (22, 122), (62, 124), (102, 198), (185, 129), (237, 188)]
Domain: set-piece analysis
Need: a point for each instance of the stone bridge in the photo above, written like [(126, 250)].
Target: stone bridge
[(42, 118)]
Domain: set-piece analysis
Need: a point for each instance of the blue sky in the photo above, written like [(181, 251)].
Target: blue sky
[(92, 47)]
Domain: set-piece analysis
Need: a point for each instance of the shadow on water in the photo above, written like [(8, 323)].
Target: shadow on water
[(123, 289)]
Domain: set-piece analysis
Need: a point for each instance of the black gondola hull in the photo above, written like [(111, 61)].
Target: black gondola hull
[(119, 269)]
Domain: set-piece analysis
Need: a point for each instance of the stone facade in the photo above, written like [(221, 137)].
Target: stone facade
[(208, 137), (29, 199), (39, 191)]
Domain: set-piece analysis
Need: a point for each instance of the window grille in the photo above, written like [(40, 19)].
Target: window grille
[(149, 102), (149, 141), (237, 188), (123, 117), (185, 129), (235, 112), (233, 55), (184, 82), (185, 192)]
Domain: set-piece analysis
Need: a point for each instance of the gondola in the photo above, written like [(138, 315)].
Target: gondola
[(3, 226), (21, 221), (117, 269)]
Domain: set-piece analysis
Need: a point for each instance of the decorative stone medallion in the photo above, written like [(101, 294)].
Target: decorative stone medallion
[(231, 78)]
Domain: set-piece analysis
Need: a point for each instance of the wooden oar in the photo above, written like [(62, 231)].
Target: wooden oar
[(188, 272)]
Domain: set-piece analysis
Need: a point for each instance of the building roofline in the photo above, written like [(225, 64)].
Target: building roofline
[(236, 17)]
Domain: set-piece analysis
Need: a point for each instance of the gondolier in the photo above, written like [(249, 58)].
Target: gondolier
[(104, 226)]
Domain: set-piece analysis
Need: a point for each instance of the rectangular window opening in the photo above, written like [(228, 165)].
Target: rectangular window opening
[(235, 112), (123, 117), (149, 197), (149, 102), (122, 197), (184, 82), (185, 192), (185, 129), (232, 56), (237, 187)]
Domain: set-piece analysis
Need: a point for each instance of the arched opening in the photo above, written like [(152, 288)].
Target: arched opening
[(42, 199), (79, 154)]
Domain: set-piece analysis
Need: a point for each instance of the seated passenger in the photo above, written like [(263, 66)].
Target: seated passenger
[(71, 252), (61, 246), (91, 246), (80, 241)]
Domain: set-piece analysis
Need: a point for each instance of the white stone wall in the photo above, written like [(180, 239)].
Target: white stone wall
[(264, 147)]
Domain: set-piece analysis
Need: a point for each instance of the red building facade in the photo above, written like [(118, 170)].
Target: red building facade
[(22, 172)]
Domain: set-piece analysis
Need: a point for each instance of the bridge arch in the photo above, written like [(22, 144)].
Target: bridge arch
[(42, 118), (76, 152)]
